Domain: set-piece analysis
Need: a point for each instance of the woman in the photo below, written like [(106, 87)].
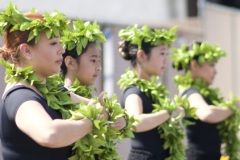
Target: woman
[(147, 50), (31, 128), (198, 61)]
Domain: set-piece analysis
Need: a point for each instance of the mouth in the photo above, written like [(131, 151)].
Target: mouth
[(95, 75), (59, 61)]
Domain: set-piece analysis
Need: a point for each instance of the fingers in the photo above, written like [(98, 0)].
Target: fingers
[(100, 98), (119, 124)]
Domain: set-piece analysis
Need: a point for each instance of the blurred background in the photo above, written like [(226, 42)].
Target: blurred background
[(215, 21)]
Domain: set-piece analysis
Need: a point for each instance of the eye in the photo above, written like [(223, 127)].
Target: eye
[(53, 43)]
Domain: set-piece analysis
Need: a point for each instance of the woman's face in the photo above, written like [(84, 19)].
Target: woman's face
[(89, 65), (47, 56), (157, 60), (207, 72)]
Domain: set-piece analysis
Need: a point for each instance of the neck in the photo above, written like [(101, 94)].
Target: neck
[(142, 74), (68, 82)]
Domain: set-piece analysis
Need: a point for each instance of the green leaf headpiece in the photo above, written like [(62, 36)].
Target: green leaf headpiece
[(81, 35), (204, 52), (52, 24), (136, 36)]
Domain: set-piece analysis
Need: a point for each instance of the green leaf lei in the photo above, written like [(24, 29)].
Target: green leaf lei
[(81, 35), (229, 128), (89, 145), (182, 56), (53, 24), (172, 133), (136, 36), (103, 141)]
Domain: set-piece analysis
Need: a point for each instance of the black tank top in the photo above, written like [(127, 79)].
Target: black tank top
[(203, 138), (16, 145), (149, 140)]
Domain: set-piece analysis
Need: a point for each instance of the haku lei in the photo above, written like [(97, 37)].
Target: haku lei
[(229, 128), (172, 133)]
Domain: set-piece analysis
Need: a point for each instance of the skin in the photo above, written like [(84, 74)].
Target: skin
[(87, 70), (146, 67), (206, 113), (31, 118)]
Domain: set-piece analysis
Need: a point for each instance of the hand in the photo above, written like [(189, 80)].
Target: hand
[(101, 99), (119, 123), (177, 114)]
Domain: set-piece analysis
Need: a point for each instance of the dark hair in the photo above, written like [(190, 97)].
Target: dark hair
[(12, 40), (196, 57), (72, 53), (129, 51)]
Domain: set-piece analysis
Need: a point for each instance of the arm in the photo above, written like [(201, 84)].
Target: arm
[(208, 113), (32, 119), (133, 105)]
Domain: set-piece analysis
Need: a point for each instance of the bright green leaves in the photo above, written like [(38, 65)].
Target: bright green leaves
[(205, 52), (103, 139), (136, 36), (81, 35), (85, 91), (229, 129), (53, 24)]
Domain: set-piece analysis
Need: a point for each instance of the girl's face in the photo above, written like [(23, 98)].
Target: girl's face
[(47, 56), (157, 61), (206, 71), (89, 65)]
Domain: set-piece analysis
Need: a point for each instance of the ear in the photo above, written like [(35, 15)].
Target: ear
[(25, 51), (141, 56), (70, 63), (194, 65)]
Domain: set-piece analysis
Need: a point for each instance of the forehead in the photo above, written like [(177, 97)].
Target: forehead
[(92, 51), (160, 48)]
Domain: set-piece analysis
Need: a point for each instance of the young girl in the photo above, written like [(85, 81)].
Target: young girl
[(82, 64), (205, 136), (31, 114), (147, 50)]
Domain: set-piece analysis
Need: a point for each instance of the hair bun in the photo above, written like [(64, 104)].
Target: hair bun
[(4, 53), (127, 50)]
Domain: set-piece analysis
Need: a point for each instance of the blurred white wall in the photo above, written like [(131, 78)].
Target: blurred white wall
[(108, 11)]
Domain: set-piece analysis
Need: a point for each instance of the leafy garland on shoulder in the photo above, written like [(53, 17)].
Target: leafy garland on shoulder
[(136, 36), (172, 133), (229, 128), (81, 35), (53, 24), (106, 146)]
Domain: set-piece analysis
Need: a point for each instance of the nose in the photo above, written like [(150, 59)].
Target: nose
[(99, 67), (62, 51)]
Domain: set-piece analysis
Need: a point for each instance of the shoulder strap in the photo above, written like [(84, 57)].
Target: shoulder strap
[(14, 89), (189, 91)]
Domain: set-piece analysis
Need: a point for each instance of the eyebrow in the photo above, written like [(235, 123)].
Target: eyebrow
[(95, 56)]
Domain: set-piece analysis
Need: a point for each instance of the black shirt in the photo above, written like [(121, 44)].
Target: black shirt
[(203, 138), (149, 140), (16, 145)]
